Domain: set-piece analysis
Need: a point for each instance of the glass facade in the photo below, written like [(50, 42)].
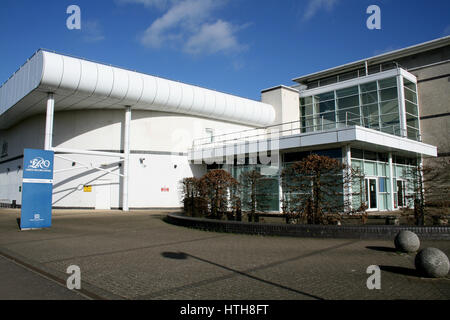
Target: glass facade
[(412, 110), (372, 105), (376, 187), (267, 187), (375, 167)]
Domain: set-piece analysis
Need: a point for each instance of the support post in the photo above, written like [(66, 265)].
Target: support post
[(391, 181), (402, 107), (126, 147), (49, 122)]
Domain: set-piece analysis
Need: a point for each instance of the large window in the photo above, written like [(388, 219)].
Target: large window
[(412, 110), (373, 105)]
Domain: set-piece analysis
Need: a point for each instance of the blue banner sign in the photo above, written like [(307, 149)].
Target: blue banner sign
[(37, 188)]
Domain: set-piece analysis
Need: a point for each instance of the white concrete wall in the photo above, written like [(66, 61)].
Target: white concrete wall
[(162, 139), (287, 108)]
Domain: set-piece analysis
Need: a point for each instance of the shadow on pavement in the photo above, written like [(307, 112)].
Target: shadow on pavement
[(401, 270), (182, 255), (384, 249), (174, 255)]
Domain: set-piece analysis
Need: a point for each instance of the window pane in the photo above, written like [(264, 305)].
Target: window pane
[(388, 94), (362, 72), (370, 86), (370, 115), (348, 102), (413, 133), (374, 69), (391, 129), (325, 96), (412, 121), (348, 75), (388, 83), (388, 66), (370, 168), (305, 100), (410, 95), (351, 115), (411, 108), (371, 97), (356, 153), (370, 155), (382, 184), (389, 107), (327, 81), (347, 92), (410, 85), (314, 84), (389, 120), (383, 157), (326, 106)]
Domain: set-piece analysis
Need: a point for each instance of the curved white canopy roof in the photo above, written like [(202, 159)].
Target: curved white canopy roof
[(82, 84)]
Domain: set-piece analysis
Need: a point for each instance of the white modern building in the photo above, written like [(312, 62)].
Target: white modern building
[(124, 139)]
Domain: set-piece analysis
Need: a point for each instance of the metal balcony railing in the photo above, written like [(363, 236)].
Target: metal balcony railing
[(306, 125)]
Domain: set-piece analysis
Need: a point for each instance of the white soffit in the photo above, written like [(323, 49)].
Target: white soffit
[(82, 84)]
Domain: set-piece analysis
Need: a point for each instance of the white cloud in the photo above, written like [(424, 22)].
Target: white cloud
[(92, 31), (147, 3), (191, 26), (181, 18), (213, 38), (316, 5)]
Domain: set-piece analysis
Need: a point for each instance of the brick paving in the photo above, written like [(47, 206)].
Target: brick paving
[(137, 255)]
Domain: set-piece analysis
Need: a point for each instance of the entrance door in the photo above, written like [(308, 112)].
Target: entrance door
[(401, 193), (371, 193), (103, 195)]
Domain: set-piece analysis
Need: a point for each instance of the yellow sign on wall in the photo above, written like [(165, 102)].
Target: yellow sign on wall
[(87, 189)]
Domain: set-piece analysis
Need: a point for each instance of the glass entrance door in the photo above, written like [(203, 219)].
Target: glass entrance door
[(401, 201), (371, 193)]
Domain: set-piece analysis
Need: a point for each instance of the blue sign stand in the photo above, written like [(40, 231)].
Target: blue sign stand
[(37, 188)]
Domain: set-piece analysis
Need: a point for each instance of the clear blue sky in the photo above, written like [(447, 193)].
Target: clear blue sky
[(235, 46)]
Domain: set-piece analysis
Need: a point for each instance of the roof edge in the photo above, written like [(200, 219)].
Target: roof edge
[(421, 47)]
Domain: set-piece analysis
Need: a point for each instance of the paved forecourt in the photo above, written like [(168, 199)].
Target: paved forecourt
[(136, 255)]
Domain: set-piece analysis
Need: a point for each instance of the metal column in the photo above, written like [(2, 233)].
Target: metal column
[(126, 147), (49, 122), (391, 181)]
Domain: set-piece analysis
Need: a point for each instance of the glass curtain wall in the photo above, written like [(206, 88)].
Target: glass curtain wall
[(267, 186), (373, 105), (412, 110), (375, 166)]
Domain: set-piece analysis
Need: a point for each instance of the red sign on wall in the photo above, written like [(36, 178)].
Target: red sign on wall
[(164, 189)]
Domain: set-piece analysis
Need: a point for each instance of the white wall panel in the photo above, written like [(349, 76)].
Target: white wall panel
[(88, 77), (105, 78), (71, 75), (175, 96), (120, 84), (162, 94), (135, 88), (53, 70)]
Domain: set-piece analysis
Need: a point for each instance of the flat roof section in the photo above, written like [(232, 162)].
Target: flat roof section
[(384, 57)]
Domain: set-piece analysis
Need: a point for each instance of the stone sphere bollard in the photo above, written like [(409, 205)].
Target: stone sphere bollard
[(432, 262), (407, 241)]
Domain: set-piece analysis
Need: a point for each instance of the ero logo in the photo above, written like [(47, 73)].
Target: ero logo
[(39, 163)]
